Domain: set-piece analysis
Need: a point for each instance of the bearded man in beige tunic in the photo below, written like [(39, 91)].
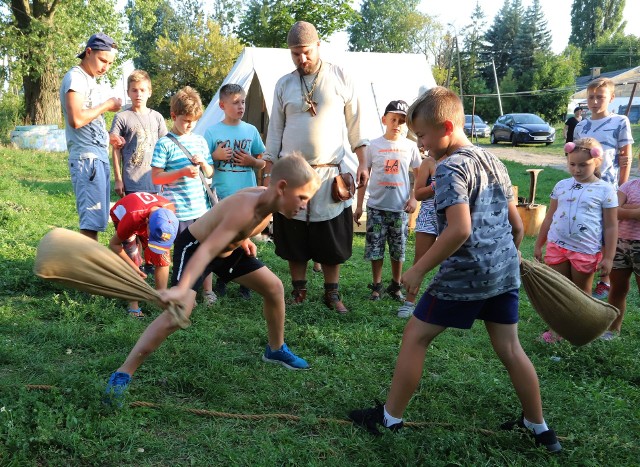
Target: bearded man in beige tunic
[(315, 111)]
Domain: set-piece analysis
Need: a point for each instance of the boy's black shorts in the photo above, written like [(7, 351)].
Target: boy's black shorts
[(325, 242), (235, 265)]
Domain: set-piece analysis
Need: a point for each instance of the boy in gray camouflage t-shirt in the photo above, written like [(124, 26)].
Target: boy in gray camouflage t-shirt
[(477, 250)]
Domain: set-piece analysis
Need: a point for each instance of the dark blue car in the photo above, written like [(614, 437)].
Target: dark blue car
[(522, 129)]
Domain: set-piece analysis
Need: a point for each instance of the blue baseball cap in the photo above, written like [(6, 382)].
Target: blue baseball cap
[(163, 228), (99, 41)]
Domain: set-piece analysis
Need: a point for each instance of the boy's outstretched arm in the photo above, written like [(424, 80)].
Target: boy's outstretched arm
[(450, 240)]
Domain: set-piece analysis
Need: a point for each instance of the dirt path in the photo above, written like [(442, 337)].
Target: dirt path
[(522, 156)]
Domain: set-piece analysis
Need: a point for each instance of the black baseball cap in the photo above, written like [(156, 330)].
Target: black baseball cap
[(397, 107), (99, 41)]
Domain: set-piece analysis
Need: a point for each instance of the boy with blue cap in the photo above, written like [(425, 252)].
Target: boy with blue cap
[(149, 219), (86, 133)]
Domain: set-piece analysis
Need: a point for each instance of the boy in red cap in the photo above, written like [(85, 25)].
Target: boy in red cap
[(150, 219)]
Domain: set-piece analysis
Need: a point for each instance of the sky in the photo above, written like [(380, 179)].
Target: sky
[(557, 14)]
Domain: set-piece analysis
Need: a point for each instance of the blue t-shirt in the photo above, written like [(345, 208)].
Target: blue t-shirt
[(487, 264), (187, 194), (228, 177)]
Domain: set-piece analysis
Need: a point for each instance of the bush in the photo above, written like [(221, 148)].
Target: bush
[(11, 114)]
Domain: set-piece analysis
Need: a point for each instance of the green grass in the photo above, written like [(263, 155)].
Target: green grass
[(73, 341)]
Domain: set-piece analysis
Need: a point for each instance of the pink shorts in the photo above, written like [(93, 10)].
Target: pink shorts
[(582, 262)]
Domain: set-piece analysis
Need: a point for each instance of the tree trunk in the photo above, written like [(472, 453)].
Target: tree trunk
[(42, 97)]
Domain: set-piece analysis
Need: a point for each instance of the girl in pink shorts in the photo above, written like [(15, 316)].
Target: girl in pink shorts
[(581, 226)]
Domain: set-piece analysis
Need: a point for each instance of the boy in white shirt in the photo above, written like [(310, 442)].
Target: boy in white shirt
[(391, 199)]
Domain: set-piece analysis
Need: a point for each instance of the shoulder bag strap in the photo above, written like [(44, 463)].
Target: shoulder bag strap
[(213, 197)]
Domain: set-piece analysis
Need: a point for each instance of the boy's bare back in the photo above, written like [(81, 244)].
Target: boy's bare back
[(237, 218)]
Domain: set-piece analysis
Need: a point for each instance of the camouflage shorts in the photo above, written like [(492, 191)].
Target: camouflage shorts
[(392, 227), (627, 255)]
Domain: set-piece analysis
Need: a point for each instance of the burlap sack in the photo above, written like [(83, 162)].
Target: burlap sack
[(573, 314), (75, 260)]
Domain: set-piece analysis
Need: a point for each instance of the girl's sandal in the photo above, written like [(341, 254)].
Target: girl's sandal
[(376, 291), (135, 313)]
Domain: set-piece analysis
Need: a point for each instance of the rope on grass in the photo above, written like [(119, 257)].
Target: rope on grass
[(276, 416)]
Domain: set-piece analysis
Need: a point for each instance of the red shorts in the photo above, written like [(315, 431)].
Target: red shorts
[(581, 262), (163, 260)]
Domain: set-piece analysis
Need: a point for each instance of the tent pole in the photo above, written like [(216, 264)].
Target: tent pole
[(375, 101)]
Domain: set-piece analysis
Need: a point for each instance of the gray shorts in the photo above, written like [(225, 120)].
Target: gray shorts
[(389, 227), (90, 178)]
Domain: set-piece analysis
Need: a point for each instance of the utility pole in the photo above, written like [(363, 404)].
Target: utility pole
[(495, 77)]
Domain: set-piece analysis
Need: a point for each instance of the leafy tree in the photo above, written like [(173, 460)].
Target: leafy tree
[(201, 58), (387, 26), (429, 40), (613, 53), (550, 72), (226, 13), (265, 23), (43, 38), (592, 20)]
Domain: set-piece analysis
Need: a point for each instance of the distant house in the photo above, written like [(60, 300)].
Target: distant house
[(624, 80)]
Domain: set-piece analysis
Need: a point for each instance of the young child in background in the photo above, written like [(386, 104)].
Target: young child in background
[(426, 229), (479, 275), (141, 128), (391, 199), (582, 213), (148, 220), (220, 242), (613, 132), (236, 149), (171, 168), (627, 258)]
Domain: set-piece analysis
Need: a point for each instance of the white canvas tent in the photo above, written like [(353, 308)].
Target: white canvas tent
[(380, 78)]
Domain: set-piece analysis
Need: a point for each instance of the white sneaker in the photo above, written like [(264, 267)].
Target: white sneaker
[(406, 309)]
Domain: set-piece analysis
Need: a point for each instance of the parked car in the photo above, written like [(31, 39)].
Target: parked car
[(479, 127), (522, 129)]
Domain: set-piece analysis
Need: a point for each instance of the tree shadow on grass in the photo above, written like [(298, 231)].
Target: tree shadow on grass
[(51, 188)]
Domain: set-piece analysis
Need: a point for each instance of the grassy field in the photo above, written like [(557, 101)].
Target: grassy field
[(73, 341)]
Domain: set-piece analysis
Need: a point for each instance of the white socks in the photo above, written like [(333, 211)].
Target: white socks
[(537, 428), (390, 420)]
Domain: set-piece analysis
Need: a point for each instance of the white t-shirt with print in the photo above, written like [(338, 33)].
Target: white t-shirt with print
[(577, 224)]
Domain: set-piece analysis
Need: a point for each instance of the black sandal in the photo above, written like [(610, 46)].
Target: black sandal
[(376, 291), (395, 291)]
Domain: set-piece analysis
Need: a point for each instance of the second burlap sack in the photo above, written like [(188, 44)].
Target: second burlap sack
[(573, 314)]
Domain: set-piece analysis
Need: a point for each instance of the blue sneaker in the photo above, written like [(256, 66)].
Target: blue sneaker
[(285, 357), (117, 385)]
